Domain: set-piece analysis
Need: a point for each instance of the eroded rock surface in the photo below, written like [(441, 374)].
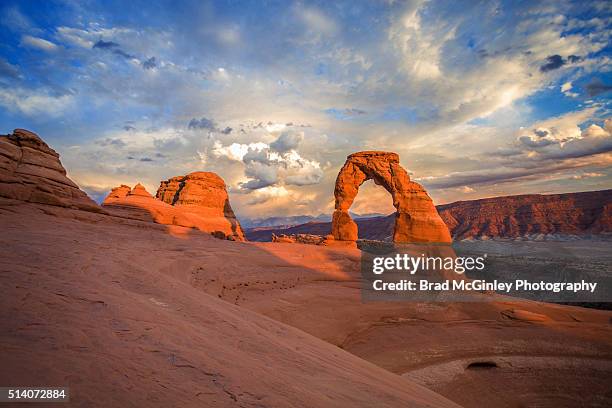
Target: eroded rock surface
[(117, 193), (416, 219), (140, 190), (198, 200), (202, 194), (31, 171)]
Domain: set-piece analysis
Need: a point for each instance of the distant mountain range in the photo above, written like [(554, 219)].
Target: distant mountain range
[(531, 215)]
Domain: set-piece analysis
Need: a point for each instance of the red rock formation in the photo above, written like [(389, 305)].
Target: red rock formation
[(515, 216), (137, 203), (198, 200), (203, 195), (416, 219), (117, 193), (139, 190), (31, 171)]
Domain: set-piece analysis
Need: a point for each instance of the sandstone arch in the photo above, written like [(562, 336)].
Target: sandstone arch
[(416, 218)]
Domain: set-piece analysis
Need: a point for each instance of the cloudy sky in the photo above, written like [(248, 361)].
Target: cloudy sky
[(479, 99)]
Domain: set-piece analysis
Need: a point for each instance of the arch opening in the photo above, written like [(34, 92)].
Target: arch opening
[(371, 204)]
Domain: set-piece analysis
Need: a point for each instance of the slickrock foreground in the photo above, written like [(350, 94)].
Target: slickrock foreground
[(93, 302), (416, 218), (128, 312)]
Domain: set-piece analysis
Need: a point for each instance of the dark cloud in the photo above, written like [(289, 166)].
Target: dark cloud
[(287, 141), (105, 45), (114, 47), (262, 175), (202, 123), (150, 63), (529, 142), (596, 87), (577, 148), (260, 156), (541, 132), (255, 184), (354, 111), (552, 62), (209, 124), (556, 61), (123, 54)]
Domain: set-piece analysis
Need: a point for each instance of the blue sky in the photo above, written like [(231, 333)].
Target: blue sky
[(479, 99)]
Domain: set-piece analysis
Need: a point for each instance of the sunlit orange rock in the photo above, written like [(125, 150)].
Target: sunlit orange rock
[(117, 193), (416, 218), (202, 195), (139, 190), (198, 200)]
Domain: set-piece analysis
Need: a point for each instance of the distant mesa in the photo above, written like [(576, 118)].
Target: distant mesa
[(416, 218), (531, 215), (198, 200), (30, 171)]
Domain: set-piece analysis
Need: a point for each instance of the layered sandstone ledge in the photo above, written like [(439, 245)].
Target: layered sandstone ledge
[(416, 218), (31, 171)]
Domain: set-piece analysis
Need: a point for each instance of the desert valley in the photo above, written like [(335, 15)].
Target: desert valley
[(163, 301)]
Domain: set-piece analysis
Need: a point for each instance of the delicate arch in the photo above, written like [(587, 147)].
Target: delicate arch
[(416, 218)]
